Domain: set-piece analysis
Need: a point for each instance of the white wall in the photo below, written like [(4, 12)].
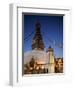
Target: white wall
[(4, 45)]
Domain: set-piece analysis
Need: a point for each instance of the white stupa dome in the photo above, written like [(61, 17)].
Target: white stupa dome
[(38, 55)]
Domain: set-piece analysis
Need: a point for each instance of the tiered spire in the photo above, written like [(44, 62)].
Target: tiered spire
[(37, 42)]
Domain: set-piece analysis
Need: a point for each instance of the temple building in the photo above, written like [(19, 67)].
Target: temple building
[(38, 61)]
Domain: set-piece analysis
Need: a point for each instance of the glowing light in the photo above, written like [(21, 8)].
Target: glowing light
[(37, 67), (42, 67)]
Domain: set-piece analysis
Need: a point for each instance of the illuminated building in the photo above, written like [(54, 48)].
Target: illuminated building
[(58, 65), (50, 55)]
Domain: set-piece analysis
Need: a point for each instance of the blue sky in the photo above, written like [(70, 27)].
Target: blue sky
[(51, 30)]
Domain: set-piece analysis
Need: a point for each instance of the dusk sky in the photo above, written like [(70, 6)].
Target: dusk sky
[(51, 30)]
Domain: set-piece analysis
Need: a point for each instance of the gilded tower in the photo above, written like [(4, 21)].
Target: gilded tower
[(51, 62), (37, 42)]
